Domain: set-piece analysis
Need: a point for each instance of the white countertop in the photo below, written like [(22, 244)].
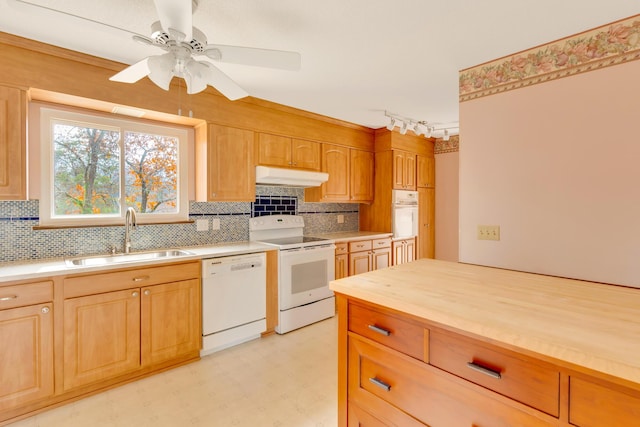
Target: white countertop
[(344, 236), (37, 269)]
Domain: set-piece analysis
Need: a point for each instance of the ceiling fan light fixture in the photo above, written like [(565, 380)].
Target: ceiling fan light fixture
[(195, 76)]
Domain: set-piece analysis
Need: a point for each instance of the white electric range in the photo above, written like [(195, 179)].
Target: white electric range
[(305, 267)]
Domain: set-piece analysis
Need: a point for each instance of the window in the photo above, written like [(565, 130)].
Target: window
[(95, 167)]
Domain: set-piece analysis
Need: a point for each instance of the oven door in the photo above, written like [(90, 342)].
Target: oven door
[(404, 221), (305, 274)]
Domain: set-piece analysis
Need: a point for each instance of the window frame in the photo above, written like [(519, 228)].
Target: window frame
[(49, 113)]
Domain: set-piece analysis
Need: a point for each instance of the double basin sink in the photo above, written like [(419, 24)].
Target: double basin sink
[(98, 260)]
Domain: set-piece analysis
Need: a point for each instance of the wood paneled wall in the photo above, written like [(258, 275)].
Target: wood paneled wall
[(61, 74)]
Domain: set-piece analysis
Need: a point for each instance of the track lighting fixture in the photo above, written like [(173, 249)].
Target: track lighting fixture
[(422, 127)]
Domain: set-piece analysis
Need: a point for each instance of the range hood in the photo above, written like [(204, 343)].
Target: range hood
[(289, 177)]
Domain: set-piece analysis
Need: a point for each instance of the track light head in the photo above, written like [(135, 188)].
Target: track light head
[(446, 135), (403, 129), (392, 124)]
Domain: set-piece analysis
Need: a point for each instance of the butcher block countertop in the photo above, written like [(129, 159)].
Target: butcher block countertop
[(583, 324)]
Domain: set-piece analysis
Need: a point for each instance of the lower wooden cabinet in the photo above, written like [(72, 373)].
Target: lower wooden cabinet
[(26, 365), (115, 333), (595, 404), (369, 255), (404, 250)]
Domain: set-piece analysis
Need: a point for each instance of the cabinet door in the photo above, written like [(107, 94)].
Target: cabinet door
[(398, 252), (409, 250), (274, 150), (361, 175), (101, 337), (170, 321), (335, 161), (26, 367), (359, 262), (13, 143), (398, 170), (426, 223), (410, 171), (381, 258), (231, 171), (426, 172), (342, 266), (305, 154)]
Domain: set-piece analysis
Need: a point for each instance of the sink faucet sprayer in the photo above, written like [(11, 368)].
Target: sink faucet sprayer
[(129, 225)]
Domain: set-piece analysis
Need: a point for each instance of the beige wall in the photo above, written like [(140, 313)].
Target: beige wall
[(557, 166), (447, 166)]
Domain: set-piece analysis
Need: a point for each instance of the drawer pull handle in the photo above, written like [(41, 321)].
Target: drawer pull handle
[(380, 330), (140, 278), (9, 298), (381, 384), (483, 370)]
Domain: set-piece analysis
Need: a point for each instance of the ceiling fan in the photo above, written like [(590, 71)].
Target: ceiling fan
[(188, 55)]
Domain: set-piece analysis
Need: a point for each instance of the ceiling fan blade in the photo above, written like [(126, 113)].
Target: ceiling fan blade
[(222, 82), (132, 73), (282, 59), (177, 15)]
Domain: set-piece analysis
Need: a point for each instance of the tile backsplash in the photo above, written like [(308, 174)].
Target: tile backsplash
[(20, 242)]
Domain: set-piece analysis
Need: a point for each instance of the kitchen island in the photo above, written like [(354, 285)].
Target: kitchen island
[(446, 344)]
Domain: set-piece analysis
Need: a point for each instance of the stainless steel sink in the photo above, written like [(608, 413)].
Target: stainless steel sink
[(97, 260)]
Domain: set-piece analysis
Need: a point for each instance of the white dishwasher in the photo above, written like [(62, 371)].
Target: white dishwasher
[(234, 300)]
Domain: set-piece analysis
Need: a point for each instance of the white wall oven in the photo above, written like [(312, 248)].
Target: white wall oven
[(305, 267), (404, 213)]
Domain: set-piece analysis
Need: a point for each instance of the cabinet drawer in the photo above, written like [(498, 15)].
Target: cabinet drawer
[(342, 248), (379, 416), (117, 280), (360, 245), (380, 378), (388, 330), (593, 405), (516, 376), (382, 243), (27, 294)]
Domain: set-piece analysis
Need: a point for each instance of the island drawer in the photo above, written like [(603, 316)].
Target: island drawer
[(360, 245), (516, 376), (594, 405), (380, 379), (394, 332), (27, 294), (342, 248), (127, 279)]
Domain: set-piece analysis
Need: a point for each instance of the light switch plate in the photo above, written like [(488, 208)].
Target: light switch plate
[(488, 232), (215, 224), (202, 224)]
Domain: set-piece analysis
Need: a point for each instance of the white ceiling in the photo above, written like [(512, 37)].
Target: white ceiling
[(359, 57)]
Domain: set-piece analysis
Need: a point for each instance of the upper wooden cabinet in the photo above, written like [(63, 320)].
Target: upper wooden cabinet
[(361, 176), (13, 144), (350, 176), (426, 172), (282, 151), (404, 170), (225, 168)]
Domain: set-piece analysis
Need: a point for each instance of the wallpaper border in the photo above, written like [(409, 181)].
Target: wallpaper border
[(608, 45), (451, 146)]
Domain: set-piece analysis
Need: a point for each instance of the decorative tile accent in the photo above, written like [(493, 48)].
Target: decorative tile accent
[(452, 145), (591, 50), (274, 205)]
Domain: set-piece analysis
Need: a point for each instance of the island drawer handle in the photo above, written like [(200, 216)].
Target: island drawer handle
[(381, 384), (483, 370), (140, 278), (9, 298), (380, 330)]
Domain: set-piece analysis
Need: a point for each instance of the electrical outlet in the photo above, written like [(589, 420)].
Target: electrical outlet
[(488, 232), (202, 224), (340, 219), (215, 224)]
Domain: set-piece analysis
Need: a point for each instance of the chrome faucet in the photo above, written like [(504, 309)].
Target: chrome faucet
[(129, 225)]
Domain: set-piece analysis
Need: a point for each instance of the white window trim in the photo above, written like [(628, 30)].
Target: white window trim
[(46, 163)]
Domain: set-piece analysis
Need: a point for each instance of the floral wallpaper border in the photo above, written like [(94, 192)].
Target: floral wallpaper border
[(451, 146), (604, 46)]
